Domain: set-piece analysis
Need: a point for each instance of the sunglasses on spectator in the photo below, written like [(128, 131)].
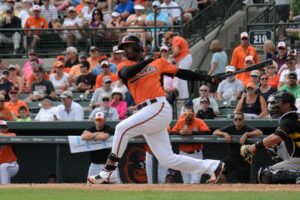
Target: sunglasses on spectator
[(164, 51), (13, 92), (108, 82), (105, 99), (281, 48), (292, 77), (254, 76), (203, 90), (238, 119), (105, 66), (204, 102), (264, 79), (96, 13), (249, 88), (270, 67)]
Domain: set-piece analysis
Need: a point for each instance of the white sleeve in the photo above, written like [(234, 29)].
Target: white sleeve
[(79, 113), (282, 76), (240, 87)]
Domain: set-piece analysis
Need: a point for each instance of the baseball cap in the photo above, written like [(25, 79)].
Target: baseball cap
[(117, 50), (281, 45), (168, 35), (249, 58), (104, 62), (115, 14), (117, 90), (3, 124), (255, 73), (107, 79), (60, 57), (156, 4), (82, 55), (71, 8), (164, 47), (290, 57), (36, 8), (188, 103), (230, 68), (58, 64), (32, 52), (139, 7), (9, 10), (99, 115), (66, 94), (11, 66), (251, 85), (293, 73), (244, 35), (27, 1), (37, 67), (94, 48)]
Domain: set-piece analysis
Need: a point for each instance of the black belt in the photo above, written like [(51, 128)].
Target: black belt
[(146, 103), (191, 152)]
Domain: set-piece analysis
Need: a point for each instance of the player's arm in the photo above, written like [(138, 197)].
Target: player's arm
[(192, 76)]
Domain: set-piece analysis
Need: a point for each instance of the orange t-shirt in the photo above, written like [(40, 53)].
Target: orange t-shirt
[(33, 22), (273, 81), (6, 114), (147, 83), (244, 77), (93, 63), (99, 79), (183, 46), (32, 79), (239, 54), (14, 107), (198, 125), (7, 154)]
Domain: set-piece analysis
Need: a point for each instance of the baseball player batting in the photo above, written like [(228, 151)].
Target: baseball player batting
[(143, 78)]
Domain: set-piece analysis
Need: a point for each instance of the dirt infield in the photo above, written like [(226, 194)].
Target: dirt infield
[(164, 187)]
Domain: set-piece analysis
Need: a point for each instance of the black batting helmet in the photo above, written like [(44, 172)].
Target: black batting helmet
[(131, 39)]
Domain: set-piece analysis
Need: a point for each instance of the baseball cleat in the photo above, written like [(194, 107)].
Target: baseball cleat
[(103, 177), (298, 180), (217, 174)]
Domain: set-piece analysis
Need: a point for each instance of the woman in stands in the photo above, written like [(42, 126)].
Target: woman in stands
[(271, 72), (59, 78), (117, 102), (8, 160), (269, 49), (88, 11), (251, 104), (15, 78), (97, 23), (264, 89)]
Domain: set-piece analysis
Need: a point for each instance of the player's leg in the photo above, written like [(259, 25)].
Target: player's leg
[(8, 170), (148, 163), (95, 169)]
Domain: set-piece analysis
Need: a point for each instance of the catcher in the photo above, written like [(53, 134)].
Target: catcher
[(286, 139)]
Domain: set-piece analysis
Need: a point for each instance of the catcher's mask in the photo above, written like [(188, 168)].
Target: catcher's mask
[(275, 100), (135, 41)]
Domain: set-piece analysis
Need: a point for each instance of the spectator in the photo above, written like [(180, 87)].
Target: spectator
[(35, 21), (245, 77), (189, 7), (5, 85), (61, 5), (264, 89), (292, 86), (47, 112), (14, 102), (269, 49), (98, 69), (98, 23), (14, 77), (117, 101), (125, 8), (94, 57), (28, 66), (40, 87), (162, 19), (183, 58), (251, 104), (72, 58), (59, 79), (72, 21), (87, 12), (205, 111), (173, 13), (32, 78), (69, 110), (254, 77), (110, 113), (86, 81), (242, 51), (186, 126), (204, 92), (49, 12), (10, 21), (106, 88), (283, 9), (25, 12), (218, 62), (99, 132), (281, 57), (230, 88), (291, 67), (75, 71), (233, 161), (116, 56), (23, 115), (5, 113), (271, 73), (106, 72), (8, 161), (115, 22)]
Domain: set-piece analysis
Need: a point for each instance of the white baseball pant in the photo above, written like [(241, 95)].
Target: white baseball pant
[(161, 171), (151, 122), (184, 63), (191, 178), (8, 170)]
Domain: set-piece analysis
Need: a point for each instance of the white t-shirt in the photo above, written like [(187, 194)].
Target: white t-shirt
[(171, 12), (46, 114), (23, 15), (284, 75), (57, 84), (76, 112), (227, 89), (86, 14)]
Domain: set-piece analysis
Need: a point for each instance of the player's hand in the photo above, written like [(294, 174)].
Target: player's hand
[(246, 153), (227, 137), (155, 56)]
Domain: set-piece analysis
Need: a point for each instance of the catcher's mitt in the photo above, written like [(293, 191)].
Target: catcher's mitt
[(246, 154)]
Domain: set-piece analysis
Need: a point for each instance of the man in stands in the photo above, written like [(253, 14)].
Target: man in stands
[(72, 58), (5, 85), (86, 81), (189, 7), (116, 56), (242, 51), (281, 57), (49, 12), (94, 57), (14, 102), (10, 21), (106, 88), (28, 66), (69, 110), (106, 72), (35, 21), (162, 19), (292, 86), (291, 67), (5, 113), (174, 13), (204, 92), (125, 8)]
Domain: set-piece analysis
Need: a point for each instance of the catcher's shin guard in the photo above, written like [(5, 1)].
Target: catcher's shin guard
[(269, 176)]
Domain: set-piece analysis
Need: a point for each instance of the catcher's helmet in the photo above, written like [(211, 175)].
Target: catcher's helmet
[(276, 99), (131, 39)]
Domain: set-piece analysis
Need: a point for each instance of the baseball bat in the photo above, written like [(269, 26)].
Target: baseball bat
[(257, 66)]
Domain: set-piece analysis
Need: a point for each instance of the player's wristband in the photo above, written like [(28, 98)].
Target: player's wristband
[(259, 144)]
